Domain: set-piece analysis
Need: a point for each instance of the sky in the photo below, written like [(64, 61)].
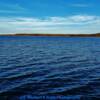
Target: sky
[(49, 16)]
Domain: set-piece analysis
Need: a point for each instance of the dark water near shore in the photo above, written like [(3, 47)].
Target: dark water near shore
[(49, 66)]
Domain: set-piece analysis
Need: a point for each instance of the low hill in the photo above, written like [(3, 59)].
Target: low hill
[(68, 35)]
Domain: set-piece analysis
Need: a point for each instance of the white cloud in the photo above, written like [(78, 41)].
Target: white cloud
[(72, 24), (12, 8), (80, 5), (83, 18)]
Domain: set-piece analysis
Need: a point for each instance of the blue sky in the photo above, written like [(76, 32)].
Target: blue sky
[(49, 16)]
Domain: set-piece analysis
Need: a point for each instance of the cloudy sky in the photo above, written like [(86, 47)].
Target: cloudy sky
[(49, 16)]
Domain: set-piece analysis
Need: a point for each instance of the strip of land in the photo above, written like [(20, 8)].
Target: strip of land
[(67, 35)]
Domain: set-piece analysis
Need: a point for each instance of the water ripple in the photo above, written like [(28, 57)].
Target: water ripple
[(49, 66)]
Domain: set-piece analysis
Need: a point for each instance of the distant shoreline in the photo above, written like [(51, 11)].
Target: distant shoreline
[(66, 35)]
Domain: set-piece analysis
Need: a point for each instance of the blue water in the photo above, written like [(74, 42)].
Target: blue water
[(49, 66)]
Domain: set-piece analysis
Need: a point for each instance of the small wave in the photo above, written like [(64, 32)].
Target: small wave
[(46, 66)]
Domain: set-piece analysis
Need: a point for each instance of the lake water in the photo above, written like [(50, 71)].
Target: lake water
[(49, 66)]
